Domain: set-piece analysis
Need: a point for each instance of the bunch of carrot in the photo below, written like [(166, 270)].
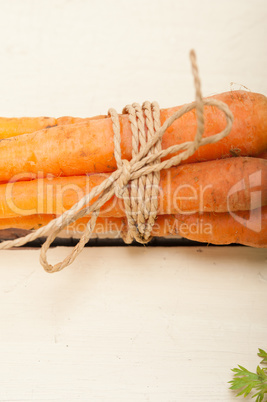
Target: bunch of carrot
[(219, 195)]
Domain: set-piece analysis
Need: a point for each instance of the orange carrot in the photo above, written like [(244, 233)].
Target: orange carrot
[(244, 227), (11, 127), (86, 147), (221, 185), (34, 222), (263, 155), (30, 222), (64, 120)]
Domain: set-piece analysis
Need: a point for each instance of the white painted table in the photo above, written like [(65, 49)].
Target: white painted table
[(128, 324)]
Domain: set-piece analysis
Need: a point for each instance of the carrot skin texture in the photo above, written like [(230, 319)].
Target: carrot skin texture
[(188, 188), (223, 228), (11, 127), (29, 222), (215, 228), (263, 155), (87, 147)]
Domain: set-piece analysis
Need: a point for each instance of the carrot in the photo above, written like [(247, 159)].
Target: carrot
[(64, 120), (34, 222), (263, 155), (77, 149), (221, 185), (215, 228), (11, 127), (30, 222), (224, 228)]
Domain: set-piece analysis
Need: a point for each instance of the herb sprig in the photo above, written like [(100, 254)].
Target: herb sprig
[(245, 381)]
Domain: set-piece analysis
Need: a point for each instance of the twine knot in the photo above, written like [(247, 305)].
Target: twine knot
[(135, 181), (123, 180), (141, 196)]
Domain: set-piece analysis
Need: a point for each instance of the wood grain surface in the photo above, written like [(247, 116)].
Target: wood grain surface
[(130, 324)]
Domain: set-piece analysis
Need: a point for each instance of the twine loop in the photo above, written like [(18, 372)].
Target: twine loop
[(135, 181)]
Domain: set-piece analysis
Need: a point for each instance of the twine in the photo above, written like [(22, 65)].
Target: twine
[(141, 199), (142, 172)]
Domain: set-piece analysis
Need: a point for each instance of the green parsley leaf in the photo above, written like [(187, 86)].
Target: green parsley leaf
[(245, 381)]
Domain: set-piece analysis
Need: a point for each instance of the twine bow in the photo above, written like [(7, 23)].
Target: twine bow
[(143, 168)]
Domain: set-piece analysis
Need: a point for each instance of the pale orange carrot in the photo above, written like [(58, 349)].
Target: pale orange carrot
[(11, 127), (34, 222), (220, 186), (64, 120), (86, 147), (243, 227), (30, 222)]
